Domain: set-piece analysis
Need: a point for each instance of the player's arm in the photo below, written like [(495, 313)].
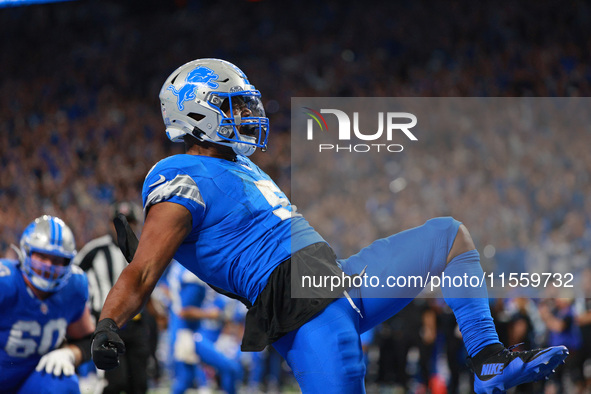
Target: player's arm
[(165, 228), (78, 334), (196, 313)]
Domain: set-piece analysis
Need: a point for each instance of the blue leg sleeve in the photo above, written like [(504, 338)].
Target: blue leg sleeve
[(184, 375), (422, 252), (230, 371), (470, 303)]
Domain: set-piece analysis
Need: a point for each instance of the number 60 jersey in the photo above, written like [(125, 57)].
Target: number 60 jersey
[(30, 327), (243, 225)]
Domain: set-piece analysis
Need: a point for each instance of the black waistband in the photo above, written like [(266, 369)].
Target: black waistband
[(275, 312)]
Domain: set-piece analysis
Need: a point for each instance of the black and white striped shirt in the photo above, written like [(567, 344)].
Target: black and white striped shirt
[(103, 262)]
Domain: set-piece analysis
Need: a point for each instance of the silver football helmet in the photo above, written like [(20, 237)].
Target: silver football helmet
[(47, 235), (212, 100)]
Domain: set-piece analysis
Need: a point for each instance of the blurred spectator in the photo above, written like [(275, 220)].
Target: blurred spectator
[(521, 331), (558, 315), (455, 351), (583, 319)]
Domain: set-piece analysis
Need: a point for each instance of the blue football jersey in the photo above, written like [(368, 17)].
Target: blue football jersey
[(30, 327), (243, 225)]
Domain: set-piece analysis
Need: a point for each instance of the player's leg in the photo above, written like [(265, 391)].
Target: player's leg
[(184, 375), (184, 359), (496, 368), (229, 370), (201, 377), (440, 245), (46, 383), (402, 263), (325, 354), (470, 304), (405, 261), (256, 374)]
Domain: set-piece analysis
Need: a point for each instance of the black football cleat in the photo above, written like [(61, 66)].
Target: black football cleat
[(497, 371)]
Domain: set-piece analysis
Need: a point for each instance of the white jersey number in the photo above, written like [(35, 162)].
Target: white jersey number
[(19, 346), (274, 197)]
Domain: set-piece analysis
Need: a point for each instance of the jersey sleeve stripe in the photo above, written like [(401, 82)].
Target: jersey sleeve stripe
[(182, 186)]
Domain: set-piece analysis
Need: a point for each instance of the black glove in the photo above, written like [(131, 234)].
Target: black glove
[(126, 238), (107, 345)]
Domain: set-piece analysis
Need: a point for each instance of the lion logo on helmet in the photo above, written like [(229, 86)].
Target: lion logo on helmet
[(198, 76)]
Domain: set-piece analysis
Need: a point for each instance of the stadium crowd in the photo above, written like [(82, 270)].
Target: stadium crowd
[(80, 128)]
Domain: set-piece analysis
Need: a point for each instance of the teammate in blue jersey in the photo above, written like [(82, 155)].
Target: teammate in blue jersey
[(188, 345), (219, 215), (46, 326)]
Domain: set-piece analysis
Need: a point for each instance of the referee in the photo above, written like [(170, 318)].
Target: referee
[(103, 262)]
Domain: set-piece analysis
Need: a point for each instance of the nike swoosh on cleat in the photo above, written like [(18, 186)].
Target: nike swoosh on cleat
[(540, 354), (159, 181)]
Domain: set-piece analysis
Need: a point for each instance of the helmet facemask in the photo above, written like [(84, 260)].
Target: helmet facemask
[(46, 277), (243, 133)]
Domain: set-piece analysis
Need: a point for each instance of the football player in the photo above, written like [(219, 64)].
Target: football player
[(189, 346), (219, 215), (46, 326)]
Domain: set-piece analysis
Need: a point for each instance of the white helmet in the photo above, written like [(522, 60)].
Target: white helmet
[(48, 235), (196, 99)]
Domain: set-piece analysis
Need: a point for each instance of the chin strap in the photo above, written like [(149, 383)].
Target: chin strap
[(18, 251), (243, 149)]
